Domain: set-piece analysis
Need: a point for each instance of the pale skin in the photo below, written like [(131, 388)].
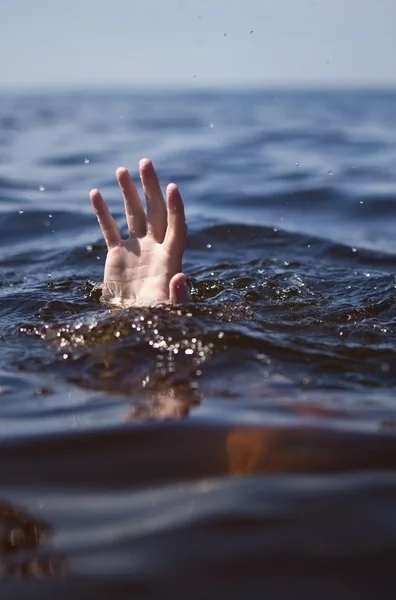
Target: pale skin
[(144, 269)]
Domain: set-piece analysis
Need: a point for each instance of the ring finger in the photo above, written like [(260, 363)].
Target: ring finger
[(134, 213)]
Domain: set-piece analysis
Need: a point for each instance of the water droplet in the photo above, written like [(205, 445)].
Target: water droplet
[(65, 356), (354, 249), (89, 248), (50, 216), (208, 245), (86, 161), (20, 211), (297, 164), (41, 188), (330, 173), (361, 201), (211, 125)]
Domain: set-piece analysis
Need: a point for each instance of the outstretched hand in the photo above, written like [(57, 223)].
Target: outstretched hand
[(145, 268)]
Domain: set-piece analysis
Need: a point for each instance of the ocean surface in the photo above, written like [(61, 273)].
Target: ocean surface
[(245, 444)]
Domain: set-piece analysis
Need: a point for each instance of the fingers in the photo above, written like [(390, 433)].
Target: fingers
[(109, 227), (175, 238), (136, 219), (156, 211), (166, 225), (178, 289)]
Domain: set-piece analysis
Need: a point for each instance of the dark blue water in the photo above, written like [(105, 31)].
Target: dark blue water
[(244, 444)]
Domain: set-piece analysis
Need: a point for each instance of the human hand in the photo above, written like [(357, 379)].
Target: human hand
[(145, 268)]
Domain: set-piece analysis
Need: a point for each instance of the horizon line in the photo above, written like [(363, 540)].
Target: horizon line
[(271, 86)]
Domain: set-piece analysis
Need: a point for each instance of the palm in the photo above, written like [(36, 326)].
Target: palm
[(145, 268), (139, 270)]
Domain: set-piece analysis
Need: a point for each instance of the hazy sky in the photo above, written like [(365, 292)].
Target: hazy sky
[(197, 42)]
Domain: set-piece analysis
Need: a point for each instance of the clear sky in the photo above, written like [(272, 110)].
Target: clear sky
[(197, 42)]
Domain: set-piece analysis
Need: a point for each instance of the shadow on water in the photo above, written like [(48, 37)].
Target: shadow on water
[(23, 541), (148, 509)]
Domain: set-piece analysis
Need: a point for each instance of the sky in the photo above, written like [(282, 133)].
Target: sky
[(201, 43)]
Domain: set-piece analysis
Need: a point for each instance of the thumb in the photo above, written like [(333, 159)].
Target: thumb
[(178, 289)]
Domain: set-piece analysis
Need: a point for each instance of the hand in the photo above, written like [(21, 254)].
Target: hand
[(145, 268)]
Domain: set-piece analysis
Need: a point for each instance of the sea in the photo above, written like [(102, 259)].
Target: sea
[(242, 445)]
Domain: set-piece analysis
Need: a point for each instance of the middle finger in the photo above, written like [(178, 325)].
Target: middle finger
[(156, 211)]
